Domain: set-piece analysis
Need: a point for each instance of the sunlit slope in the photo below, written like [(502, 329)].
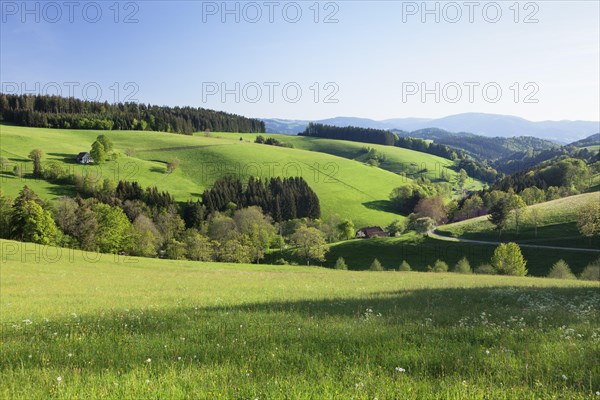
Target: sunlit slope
[(345, 187)]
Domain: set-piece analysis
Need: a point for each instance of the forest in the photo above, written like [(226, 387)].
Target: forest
[(70, 113)]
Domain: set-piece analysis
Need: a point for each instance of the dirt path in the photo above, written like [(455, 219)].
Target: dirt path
[(434, 235)]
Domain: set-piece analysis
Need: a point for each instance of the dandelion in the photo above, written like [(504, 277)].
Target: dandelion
[(30, 356), (149, 360), (487, 352), (401, 370), (59, 379), (70, 355), (178, 358)]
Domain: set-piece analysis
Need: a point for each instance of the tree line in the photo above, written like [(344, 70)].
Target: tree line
[(44, 111)]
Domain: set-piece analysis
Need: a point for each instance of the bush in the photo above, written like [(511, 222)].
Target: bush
[(591, 272), (485, 269), (440, 266), (508, 260), (281, 261), (376, 266), (341, 264), (561, 270), (404, 266), (463, 266)]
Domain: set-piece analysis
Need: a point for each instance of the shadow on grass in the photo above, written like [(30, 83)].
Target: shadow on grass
[(66, 158), (380, 205), (340, 329)]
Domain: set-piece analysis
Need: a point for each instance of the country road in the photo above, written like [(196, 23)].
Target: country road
[(434, 235)]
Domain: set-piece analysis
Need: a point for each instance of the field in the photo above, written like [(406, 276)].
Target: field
[(398, 160), (556, 225), (73, 327), (346, 187)]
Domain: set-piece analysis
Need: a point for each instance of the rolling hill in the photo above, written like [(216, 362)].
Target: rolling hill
[(556, 225), (345, 187)]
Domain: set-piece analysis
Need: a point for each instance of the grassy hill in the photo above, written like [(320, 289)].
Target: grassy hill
[(412, 163), (556, 225), (86, 325), (345, 187)]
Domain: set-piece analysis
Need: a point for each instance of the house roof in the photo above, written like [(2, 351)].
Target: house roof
[(371, 229), (83, 153)]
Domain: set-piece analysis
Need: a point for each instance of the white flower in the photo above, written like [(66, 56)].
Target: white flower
[(70, 355), (564, 377), (147, 380), (149, 360), (178, 358), (487, 352), (59, 379), (398, 369)]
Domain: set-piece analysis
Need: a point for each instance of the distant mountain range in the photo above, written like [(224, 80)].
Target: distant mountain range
[(490, 125)]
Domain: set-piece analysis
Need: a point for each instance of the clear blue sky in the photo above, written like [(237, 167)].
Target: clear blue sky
[(372, 56)]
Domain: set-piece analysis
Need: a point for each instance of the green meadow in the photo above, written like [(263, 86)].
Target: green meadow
[(346, 187), (556, 225), (83, 325)]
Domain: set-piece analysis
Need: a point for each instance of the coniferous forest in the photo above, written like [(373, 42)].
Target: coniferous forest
[(70, 113)]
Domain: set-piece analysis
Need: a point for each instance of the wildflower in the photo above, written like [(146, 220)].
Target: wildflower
[(487, 352), (147, 380), (149, 360), (398, 369), (178, 358), (70, 355), (27, 322), (564, 377), (59, 379)]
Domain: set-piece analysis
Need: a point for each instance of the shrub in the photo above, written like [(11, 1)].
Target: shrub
[(341, 264), (591, 272), (561, 270), (463, 266), (440, 266), (281, 261), (376, 266), (508, 260), (485, 269), (404, 266)]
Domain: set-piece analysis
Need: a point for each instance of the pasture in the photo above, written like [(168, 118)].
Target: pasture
[(83, 325)]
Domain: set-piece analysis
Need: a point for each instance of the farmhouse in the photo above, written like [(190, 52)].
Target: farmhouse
[(369, 232), (84, 158)]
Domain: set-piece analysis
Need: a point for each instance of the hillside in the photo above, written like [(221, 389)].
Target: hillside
[(398, 160), (345, 187), (481, 147), (555, 224), (95, 326), (590, 141)]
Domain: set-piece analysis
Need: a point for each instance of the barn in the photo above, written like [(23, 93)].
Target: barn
[(369, 232)]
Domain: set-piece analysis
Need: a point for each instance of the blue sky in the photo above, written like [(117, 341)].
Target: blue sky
[(372, 59)]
